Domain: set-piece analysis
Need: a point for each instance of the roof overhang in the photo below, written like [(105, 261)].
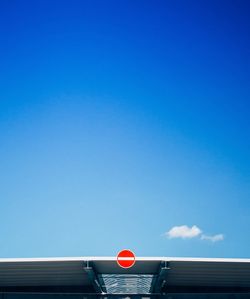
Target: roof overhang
[(149, 275)]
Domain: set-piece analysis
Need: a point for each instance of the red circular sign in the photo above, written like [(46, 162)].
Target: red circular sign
[(125, 258)]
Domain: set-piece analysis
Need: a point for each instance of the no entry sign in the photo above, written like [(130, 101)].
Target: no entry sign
[(125, 258)]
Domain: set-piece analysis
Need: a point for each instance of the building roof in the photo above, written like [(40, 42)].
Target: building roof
[(149, 275)]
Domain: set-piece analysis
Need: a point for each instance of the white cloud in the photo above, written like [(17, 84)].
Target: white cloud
[(186, 232), (183, 232), (214, 238)]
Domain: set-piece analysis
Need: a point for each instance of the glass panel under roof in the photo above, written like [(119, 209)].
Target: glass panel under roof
[(127, 283)]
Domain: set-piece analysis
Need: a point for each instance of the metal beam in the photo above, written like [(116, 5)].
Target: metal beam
[(89, 269), (161, 279)]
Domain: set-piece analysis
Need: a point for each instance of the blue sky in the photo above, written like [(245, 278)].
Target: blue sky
[(124, 124)]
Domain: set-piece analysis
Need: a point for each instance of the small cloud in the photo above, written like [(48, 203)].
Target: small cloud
[(215, 238), (183, 232)]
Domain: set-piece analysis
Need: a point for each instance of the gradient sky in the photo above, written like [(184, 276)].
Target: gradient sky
[(120, 120)]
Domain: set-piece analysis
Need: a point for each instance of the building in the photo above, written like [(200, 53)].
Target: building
[(102, 278)]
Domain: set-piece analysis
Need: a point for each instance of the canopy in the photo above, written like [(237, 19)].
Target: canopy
[(102, 275)]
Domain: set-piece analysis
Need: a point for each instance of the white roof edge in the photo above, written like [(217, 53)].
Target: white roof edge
[(109, 258)]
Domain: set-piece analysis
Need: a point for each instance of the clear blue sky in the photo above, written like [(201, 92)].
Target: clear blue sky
[(120, 120)]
